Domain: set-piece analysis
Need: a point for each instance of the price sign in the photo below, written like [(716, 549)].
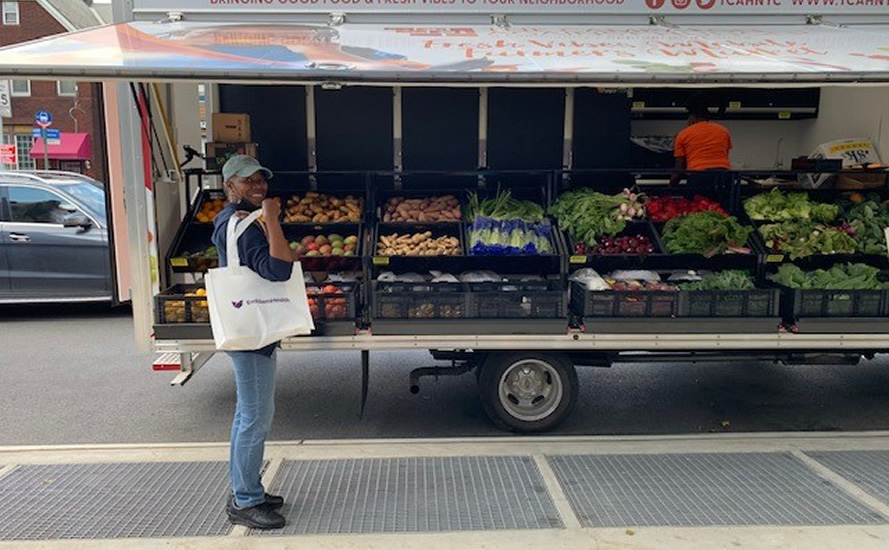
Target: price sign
[(8, 155)]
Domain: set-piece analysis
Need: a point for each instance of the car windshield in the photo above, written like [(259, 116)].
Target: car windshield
[(90, 196)]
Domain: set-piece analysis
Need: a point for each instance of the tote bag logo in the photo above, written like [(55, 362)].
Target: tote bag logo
[(261, 301), (238, 304)]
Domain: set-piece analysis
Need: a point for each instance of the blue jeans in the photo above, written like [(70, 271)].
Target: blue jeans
[(255, 407)]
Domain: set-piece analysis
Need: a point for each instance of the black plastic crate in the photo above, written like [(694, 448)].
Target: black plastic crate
[(336, 203), (729, 303), (619, 303), (634, 228), (181, 304), (437, 231), (332, 301), (296, 233), (517, 300), (206, 197), (383, 210), (838, 303), (420, 300)]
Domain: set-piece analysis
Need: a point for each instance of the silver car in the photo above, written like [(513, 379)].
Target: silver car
[(53, 238)]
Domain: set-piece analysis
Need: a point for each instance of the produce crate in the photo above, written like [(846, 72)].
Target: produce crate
[(614, 303), (517, 300), (729, 303), (296, 233), (180, 316), (297, 215), (204, 200), (437, 230), (382, 210), (636, 228), (332, 302), (836, 303), (420, 300), (193, 250)]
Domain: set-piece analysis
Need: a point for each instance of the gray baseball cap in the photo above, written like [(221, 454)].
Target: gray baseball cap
[(244, 166)]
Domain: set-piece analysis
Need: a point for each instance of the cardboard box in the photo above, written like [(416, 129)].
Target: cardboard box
[(864, 180), (231, 127), (218, 153)]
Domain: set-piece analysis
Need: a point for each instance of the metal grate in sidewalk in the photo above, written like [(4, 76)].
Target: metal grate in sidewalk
[(104, 501), (413, 495), (867, 469), (703, 489)]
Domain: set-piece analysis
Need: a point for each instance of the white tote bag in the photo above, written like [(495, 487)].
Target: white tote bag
[(248, 312)]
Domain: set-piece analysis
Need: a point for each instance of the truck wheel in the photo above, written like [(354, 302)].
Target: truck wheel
[(527, 392)]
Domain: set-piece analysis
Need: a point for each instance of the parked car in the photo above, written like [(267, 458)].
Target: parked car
[(53, 238)]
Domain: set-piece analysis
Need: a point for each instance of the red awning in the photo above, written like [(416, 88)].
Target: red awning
[(72, 147)]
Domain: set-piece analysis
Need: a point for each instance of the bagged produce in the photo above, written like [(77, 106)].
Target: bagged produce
[(634, 275), (480, 277), (590, 279)]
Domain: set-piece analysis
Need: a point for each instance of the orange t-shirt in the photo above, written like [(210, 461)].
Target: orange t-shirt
[(704, 145)]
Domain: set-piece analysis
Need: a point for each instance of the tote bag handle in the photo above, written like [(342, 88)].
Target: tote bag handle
[(236, 228)]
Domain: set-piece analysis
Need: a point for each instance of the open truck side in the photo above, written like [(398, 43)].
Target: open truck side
[(345, 89)]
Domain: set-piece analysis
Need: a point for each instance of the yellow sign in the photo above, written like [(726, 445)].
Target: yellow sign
[(381, 260), (638, 104), (784, 115), (774, 258), (734, 104), (578, 259), (179, 262)]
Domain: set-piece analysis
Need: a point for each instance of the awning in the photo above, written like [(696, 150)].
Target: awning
[(603, 54), (71, 147)]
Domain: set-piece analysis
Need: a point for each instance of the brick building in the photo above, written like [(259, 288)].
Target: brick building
[(76, 107)]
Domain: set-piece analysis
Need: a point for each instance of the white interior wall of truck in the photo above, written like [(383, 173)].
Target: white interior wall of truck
[(844, 112)]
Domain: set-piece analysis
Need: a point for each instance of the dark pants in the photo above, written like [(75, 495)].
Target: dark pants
[(716, 183)]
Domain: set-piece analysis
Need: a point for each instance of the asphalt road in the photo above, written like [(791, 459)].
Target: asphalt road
[(74, 375)]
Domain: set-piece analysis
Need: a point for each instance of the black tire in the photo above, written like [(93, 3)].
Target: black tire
[(550, 381)]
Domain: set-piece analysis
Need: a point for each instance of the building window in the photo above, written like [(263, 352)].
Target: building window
[(67, 88), (23, 143), (10, 13), (21, 88)]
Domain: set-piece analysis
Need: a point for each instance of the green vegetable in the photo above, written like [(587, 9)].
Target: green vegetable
[(588, 215), (724, 280), (504, 207), (838, 277), (778, 206), (706, 233), (801, 239), (868, 219)]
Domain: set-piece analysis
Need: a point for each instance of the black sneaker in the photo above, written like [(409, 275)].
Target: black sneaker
[(260, 516), (274, 501)]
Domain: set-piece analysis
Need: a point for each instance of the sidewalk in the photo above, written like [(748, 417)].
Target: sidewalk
[(761, 491)]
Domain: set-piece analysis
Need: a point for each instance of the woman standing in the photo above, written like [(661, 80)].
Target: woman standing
[(702, 150), (264, 249)]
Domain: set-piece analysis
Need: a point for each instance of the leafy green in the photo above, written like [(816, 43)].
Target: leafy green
[(588, 215), (724, 280), (802, 239), (839, 277), (707, 233), (868, 219), (503, 207), (779, 206)]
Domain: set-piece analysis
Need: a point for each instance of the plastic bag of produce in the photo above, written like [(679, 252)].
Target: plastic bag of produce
[(480, 277), (685, 276), (635, 275), (439, 277), (248, 312), (590, 279)]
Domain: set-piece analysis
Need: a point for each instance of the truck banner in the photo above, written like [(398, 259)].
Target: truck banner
[(544, 7), (429, 52)]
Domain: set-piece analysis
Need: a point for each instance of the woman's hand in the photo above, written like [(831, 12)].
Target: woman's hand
[(271, 209)]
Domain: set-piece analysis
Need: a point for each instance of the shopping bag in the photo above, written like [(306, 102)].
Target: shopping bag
[(248, 312)]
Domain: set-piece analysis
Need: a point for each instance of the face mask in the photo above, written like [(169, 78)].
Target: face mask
[(247, 206)]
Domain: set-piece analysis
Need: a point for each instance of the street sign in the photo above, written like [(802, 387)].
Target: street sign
[(51, 133), (5, 100), (8, 155), (43, 119)]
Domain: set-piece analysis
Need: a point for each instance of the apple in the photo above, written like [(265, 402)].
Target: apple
[(337, 251), (351, 239), (294, 245), (312, 247), (307, 239), (325, 249), (349, 253), (300, 250), (334, 237), (313, 253), (321, 240), (349, 247)]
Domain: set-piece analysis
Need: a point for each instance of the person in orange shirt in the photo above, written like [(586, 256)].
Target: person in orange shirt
[(702, 148)]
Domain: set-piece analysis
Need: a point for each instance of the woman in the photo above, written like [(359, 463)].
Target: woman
[(264, 249)]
